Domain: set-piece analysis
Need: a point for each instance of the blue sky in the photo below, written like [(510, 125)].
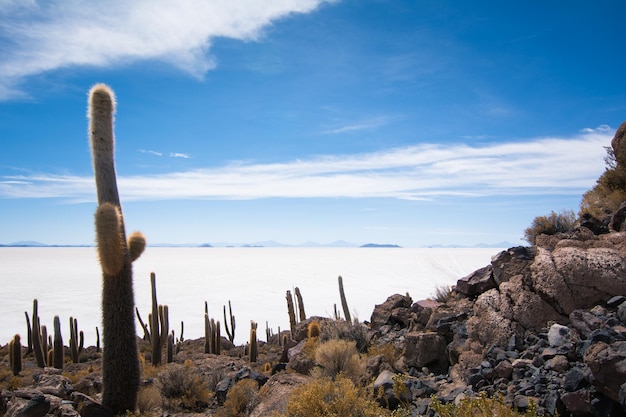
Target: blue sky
[(407, 122)]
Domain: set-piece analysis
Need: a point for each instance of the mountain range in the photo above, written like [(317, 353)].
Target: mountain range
[(274, 244)]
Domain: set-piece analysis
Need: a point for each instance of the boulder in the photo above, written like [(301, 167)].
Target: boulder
[(276, 392), (425, 349), (512, 262), (477, 282), (578, 275), (608, 367), (560, 335), (389, 311), (423, 309)]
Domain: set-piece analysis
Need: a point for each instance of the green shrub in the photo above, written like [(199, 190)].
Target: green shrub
[(550, 225), (337, 398), (481, 406)]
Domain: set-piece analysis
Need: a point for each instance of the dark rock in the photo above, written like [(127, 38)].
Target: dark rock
[(247, 373), (608, 366), (382, 314), (425, 349), (222, 387), (37, 406), (605, 407), (512, 262), (578, 403), (616, 301), (423, 310), (477, 282), (89, 407), (573, 380)]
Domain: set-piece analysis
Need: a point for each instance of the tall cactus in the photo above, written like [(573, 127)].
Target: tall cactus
[(57, 347), (301, 311), (344, 303), (120, 361), (159, 324), (292, 313), (37, 339)]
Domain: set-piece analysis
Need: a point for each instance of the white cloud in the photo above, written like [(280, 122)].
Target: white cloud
[(149, 152), (533, 167), (44, 36), (179, 155)]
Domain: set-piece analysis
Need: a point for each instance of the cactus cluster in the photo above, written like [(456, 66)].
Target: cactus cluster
[(212, 333), (120, 361), (159, 324), (229, 332), (77, 340)]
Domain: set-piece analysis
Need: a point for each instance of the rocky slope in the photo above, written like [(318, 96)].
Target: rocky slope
[(543, 324)]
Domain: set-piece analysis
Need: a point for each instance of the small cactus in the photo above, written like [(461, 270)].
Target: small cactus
[(314, 329), (254, 342), (15, 355)]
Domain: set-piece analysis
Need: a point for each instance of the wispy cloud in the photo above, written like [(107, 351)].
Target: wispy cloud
[(179, 155), (368, 124), (533, 167), (149, 152), (36, 37), (171, 154)]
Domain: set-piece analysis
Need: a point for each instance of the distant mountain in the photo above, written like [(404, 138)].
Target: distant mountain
[(479, 245), (27, 243), (378, 245)]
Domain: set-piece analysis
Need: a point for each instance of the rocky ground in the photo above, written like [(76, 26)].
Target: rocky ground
[(542, 325)]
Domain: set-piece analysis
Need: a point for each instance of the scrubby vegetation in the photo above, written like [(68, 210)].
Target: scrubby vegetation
[(481, 406), (328, 397), (552, 224)]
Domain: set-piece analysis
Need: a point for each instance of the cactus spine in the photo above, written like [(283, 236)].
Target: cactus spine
[(344, 303), (120, 361)]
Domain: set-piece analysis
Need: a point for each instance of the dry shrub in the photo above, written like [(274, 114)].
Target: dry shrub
[(341, 329), (480, 406), (443, 294), (327, 397), (335, 357), (386, 350), (148, 399), (183, 386), (550, 225), (240, 399)]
